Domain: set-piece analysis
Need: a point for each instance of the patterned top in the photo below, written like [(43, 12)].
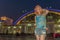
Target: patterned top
[(41, 21)]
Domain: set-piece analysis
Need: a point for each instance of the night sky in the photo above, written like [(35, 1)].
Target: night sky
[(15, 8)]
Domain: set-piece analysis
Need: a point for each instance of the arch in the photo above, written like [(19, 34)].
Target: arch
[(23, 16)]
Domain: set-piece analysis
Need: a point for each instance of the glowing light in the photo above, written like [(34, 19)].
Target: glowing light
[(20, 27), (9, 27), (14, 31), (58, 25), (58, 20), (4, 18), (14, 27), (29, 24), (58, 31)]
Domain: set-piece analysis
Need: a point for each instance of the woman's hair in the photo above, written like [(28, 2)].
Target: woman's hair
[(37, 6)]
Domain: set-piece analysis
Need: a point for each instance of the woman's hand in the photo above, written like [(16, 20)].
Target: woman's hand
[(46, 29), (47, 11)]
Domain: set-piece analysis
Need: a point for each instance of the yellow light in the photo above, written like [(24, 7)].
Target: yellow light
[(9, 27), (29, 24), (58, 20), (3, 18), (58, 25), (20, 27), (14, 27), (58, 31), (14, 32)]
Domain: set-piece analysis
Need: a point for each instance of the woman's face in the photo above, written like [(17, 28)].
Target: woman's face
[(38, 9)]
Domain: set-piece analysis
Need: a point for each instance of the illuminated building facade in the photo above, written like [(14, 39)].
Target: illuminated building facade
[(7, 21), (1, 26), (28, 22)]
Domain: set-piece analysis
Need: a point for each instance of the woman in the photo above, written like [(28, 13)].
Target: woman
[(40, 20)]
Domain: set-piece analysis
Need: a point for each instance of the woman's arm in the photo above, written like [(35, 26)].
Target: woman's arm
[(45, 12), (35, 21)]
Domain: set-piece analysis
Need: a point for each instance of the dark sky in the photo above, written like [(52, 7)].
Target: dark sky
[(14, 8)]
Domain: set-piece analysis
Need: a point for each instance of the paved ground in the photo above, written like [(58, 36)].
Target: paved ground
[(26, 37), (17, 38)]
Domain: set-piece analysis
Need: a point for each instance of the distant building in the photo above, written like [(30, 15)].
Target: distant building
[(7, 21)]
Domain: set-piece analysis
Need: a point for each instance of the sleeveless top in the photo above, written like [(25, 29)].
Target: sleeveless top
[(41, 21)]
